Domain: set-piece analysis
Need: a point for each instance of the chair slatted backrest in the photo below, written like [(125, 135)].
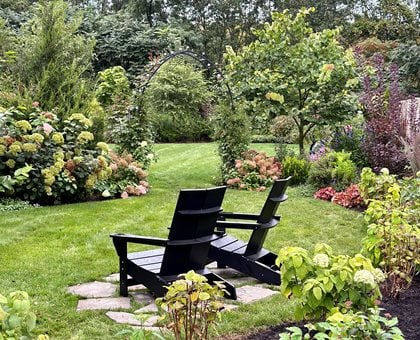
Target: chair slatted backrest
[(192, 230), (267, 216)]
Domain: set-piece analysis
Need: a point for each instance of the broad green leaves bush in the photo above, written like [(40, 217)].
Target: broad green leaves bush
[(65, 161), (393, 236), (17, 321), (191, 305), (349, 325), (323, 281)]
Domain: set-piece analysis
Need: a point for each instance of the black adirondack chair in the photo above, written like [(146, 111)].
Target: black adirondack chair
[(250, 257), (186, 248)]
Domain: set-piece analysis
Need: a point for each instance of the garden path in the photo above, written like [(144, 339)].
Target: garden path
[(102, 295)]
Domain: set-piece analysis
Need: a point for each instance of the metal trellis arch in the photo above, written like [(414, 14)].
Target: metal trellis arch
[(201, 58)]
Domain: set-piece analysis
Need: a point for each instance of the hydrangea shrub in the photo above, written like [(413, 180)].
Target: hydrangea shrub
[(255, 171), (323, 281), (64, 159)]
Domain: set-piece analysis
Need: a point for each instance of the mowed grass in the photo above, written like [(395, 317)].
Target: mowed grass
[(45, 250)]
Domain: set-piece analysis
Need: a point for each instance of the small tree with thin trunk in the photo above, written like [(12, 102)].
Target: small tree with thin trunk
[(291, 70)]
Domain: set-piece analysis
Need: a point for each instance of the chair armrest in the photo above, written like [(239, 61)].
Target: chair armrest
[(154, 241), (239, 216), (236, 225)]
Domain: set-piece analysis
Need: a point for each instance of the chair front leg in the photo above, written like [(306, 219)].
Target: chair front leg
[(121, 247)]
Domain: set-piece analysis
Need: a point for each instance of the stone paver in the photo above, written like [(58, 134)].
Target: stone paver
[(104, 303), (150, 308), (136, 287), (112, 277), (94, 289), (124, 318), (228, 307), (247, 294), (143, 298)]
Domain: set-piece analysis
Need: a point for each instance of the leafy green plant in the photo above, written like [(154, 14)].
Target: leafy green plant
[(18, 178), (298, 168), (334, 169), (349, 325), (393, 236), (112, 85), (16, 319), (254, 171), (324, 281), (191, 306)]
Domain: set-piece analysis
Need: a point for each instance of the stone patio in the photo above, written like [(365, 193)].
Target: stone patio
[(99, 295)]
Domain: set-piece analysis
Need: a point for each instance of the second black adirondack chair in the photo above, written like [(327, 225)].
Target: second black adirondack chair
[(186, 248), (250, 257)]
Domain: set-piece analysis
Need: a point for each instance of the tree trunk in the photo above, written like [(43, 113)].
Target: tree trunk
[(301, 138)]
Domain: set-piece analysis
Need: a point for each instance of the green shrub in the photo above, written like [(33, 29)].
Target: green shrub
[(65, 161), (324, 281), (298, 168), (112, 85), (191, 305), (54, 58), (193, 130), (16, 319), (232, 132), (349, 325), (393, 236), (334, 169)]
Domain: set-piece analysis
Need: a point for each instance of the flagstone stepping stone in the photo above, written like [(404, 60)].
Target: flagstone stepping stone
[(143, 298), (94, 289), (124, 318), (228, 307), (104, 303), (150, 308), (247, 294), (116, 278)]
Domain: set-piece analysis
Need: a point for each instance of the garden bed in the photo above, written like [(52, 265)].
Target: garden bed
[(405, 309)]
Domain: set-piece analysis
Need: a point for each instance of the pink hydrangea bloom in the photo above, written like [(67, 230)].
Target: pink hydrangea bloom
[(124, 195), (47, 128)]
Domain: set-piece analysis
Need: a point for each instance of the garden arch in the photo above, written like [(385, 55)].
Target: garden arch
[(232, 126)]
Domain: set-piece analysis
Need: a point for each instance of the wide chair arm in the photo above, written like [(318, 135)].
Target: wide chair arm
[(129, 238), (240, 216)]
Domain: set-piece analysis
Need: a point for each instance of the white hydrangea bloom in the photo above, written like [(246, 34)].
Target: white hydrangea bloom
[(321, 260), (379, 275), (364, 276)]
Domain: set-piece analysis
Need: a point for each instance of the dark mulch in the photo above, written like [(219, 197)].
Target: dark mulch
[(406, 308)]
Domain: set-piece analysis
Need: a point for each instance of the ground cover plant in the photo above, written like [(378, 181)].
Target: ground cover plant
[(45, 250)]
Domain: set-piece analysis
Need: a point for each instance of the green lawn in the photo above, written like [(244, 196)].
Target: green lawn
[(45, 250)]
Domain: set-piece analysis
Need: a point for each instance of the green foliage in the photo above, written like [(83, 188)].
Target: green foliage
[(191, 305), (334, 169), (254, 171), (12, 204), (324, 281), (393, 236), (407, 57), (350, 325), (232, 132), (55, 162), (113, 85), (298, 168), (16, 319), (313, 83), (179, 91), (9, 181), (132, 131), (53, 59)]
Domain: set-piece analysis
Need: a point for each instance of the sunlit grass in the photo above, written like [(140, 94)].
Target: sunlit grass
[(45, 250)]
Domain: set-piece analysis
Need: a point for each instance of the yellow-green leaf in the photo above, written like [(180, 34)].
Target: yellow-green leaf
[(317, 293)]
